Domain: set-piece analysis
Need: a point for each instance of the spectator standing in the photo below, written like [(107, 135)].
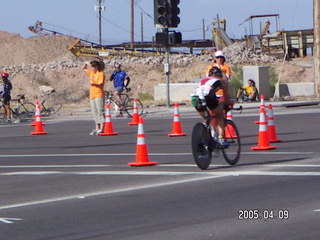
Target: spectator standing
[(94, 71), (6, 95), (220, 62)]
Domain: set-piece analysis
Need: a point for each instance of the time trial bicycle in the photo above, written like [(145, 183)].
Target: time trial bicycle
[(205, 141)]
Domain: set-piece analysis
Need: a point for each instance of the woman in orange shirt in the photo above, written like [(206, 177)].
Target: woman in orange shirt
[(219, 62), (94, 71)]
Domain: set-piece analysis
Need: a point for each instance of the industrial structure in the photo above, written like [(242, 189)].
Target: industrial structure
[(277, 43)]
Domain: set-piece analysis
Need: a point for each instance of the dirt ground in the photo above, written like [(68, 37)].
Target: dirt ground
[(71, 84)]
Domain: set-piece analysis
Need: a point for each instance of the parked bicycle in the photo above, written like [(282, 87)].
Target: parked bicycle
[(49, 109), (205, 141), (23, 110), (126, 105)]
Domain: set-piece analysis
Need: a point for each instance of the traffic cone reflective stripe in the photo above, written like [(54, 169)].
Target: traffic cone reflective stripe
[(263, 140), (262, 105), (108, 127), (176, 125), (135, 115), (38, 129), (142, 158), (271, 126), (229, 115)]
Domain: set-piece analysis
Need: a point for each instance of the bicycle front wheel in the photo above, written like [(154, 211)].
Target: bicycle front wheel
[(201, 150), (114, 109), (129, 107), (54, 108), (231, 152), (26, 111)]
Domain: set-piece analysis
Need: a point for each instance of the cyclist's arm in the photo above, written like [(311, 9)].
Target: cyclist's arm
[(127, 82), (111, 77)]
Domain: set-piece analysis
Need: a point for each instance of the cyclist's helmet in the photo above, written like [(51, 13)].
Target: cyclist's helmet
[(4, 74), (215, 72), (117, 64)]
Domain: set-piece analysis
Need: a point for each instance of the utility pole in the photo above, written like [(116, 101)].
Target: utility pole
[(142, 30), (132, 24), (99, 8), (100, 32), (203, 29), (316, 32)]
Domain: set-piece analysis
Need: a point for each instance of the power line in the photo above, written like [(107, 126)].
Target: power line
[(121, 28), (144, 11)]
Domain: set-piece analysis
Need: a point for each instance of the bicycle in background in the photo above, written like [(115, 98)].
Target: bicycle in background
[(126, 105), (48, 109), (22, 111)]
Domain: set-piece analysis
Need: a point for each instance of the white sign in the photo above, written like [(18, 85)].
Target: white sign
[(166, 68), (103, 54)]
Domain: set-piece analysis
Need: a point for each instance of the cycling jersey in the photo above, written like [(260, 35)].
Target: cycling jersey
[(206, 89), (118, 78), (6, 88), (207, 84)]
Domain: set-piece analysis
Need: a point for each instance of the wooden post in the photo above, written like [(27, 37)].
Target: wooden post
[(316, 15)]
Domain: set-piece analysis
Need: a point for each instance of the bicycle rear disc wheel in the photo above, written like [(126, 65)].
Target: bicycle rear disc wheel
[(201, 149), (231, 152), (129, 107), (26, 111)]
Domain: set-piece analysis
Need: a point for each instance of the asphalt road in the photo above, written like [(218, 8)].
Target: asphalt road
[(68, 185)]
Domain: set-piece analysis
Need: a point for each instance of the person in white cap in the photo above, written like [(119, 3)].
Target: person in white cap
[(220, 62)]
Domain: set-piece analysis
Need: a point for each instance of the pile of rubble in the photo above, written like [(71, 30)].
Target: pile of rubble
[(241, 53)]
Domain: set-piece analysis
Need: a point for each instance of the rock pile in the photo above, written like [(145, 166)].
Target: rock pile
[(240, 53)]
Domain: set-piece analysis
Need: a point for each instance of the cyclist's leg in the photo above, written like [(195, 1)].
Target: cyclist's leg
[(117, 95)]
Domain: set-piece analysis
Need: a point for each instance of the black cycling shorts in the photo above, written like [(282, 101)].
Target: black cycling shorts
[(6, 100), (212, 100)]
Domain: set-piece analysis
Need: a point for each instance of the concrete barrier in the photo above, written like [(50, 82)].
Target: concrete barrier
[(178, 91), (296, 89)]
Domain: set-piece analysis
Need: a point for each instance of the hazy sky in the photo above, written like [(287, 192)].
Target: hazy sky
[(80, 17)]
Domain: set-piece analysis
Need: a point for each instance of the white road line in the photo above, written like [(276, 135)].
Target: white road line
[(160, 165), (9, 220), (293, 165), (165, 173), (57, 166), (317, 210), (92, 194), (133, 154)]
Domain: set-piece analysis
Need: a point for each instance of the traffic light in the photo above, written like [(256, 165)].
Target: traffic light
[(166, 13), (175, 38), (162, 38), (168, 38), (174, 13)]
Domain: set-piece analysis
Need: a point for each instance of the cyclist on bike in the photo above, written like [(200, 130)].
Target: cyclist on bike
[(206, 92), (120, 80), (6, 95)]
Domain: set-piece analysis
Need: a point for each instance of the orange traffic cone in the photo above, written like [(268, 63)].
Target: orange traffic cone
[(263, 140), (108, 128), (142, 158), (271, 127), (38, 129), (229, 131), (262, 105), (176, 125), (135, 115)]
